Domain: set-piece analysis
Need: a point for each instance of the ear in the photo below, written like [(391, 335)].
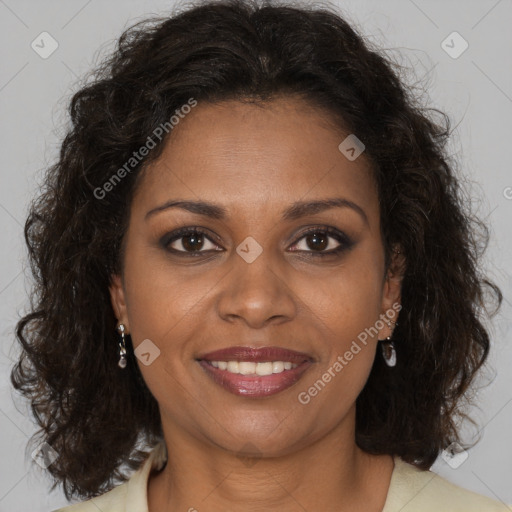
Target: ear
[(118, 300), (391, 293)]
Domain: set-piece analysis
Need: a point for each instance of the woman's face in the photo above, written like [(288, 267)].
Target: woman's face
[(253, 278)]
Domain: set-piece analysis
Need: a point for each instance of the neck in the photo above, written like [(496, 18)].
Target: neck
[(331, 473)]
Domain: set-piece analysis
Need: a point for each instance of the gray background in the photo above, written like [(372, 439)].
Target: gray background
[(475, 89)]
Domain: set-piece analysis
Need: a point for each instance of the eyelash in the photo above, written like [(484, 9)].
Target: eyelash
[(344, 241)]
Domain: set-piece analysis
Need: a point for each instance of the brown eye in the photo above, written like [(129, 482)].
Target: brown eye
[(189, 240), (322, 242), (192, 242), (317, 241)]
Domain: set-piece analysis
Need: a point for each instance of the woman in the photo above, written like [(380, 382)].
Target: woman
[(252, 262)]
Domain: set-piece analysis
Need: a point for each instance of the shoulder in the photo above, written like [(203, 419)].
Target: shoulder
[(130, 495), (414, 490), (112, 501)]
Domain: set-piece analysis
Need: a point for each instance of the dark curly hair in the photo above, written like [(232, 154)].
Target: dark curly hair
[(102, 420)]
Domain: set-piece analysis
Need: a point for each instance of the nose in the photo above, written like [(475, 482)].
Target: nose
[(256, 293)]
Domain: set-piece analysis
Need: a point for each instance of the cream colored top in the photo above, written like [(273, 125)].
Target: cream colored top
[(410, 490)]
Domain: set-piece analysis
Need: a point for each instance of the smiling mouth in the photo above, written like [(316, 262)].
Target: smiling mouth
[(255, 373)]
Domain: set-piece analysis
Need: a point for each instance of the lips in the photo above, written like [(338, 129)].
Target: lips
[(253, 385), (256, 355)]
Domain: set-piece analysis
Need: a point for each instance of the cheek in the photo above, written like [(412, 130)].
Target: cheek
[(350, 300), (348, 306), (160, 306), (158, 299)]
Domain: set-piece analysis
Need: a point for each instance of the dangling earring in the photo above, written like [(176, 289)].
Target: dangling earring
[(388, 349), (122, 347)]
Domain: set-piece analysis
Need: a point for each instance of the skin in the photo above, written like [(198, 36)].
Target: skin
[(271, 453)]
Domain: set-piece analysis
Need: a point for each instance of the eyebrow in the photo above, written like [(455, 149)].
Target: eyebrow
[(295, 211)]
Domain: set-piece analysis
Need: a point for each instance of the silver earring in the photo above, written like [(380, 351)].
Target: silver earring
[(388, 349), (122, 347)]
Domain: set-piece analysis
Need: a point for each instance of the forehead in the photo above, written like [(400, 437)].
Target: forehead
[(246, 155)]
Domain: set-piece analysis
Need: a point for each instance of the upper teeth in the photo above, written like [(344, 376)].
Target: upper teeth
[(249, 367)]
